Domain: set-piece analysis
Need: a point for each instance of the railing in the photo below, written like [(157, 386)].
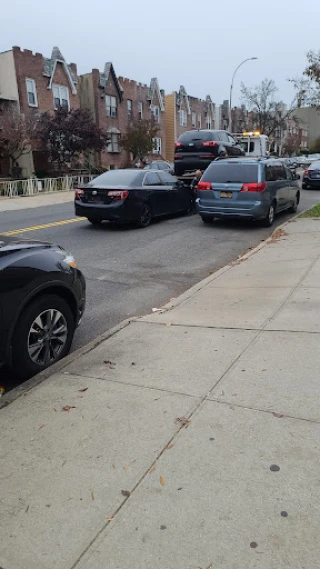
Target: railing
[(33, 186)]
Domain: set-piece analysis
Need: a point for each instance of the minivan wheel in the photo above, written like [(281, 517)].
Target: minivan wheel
[(268, 221), (43, 335), (145, 216), (294, 207)]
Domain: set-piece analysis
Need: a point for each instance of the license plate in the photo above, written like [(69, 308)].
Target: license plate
[(317, 175), (225, 194)]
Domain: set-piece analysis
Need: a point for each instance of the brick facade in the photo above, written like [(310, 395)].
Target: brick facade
[(99, 90), (184, 113)]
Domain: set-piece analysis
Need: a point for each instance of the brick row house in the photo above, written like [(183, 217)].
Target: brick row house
[(183, 113), (115, 102), (35, 84)]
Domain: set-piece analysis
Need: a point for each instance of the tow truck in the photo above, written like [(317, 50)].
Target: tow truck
[(254, 143)]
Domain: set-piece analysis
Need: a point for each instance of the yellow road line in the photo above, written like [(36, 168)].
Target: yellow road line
[(44, 226)]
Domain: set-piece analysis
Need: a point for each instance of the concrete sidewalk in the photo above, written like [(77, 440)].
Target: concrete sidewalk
[(38, 200), (189, 439)]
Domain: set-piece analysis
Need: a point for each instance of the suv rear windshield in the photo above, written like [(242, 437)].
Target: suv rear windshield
[(227, 172), (192, 135)]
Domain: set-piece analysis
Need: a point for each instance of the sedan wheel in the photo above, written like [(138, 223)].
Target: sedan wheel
[(43, 336), (145, 217)]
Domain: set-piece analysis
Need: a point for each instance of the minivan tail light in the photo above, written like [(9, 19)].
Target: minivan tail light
[(204, 186), (79, 194), (209, 143), (118, 194), (255, 187)]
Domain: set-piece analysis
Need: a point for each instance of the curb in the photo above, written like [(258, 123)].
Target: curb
[(23, 388)]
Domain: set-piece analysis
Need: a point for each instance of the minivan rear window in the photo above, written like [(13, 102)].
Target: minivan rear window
[(192, 135), (225, 172)]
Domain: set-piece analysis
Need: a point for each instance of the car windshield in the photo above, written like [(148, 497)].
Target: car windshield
[(228, 172), (116, 178)]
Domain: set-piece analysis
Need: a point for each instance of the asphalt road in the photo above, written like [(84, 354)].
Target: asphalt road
[(129, 271)]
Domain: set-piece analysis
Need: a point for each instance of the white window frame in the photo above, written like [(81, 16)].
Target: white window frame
[(34, 92), (208, 122), (155, 110), (199, 121), (129, 108), (113, 146), (157, 145), (140, 110), (67, 99), (111, 99), (183, 117), (194, 119)]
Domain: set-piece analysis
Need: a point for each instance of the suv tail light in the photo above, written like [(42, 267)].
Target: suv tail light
[(255, 187), (309, 172), (178, 144), (204, 186), (306, 173), (79, 194), (118, 194), (209, 143)]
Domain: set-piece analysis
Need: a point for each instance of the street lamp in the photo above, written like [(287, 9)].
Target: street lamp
[(231, 88)]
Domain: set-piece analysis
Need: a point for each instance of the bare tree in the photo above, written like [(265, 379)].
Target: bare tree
[(267, 114), (291, 145), (15, 134), (308, 86)]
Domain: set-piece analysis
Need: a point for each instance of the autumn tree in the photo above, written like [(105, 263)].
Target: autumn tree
[(15, 135), (268, 114), (66, 135), (139, 138), (291, 145)]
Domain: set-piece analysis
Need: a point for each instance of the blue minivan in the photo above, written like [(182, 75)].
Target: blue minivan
[(248, 188)]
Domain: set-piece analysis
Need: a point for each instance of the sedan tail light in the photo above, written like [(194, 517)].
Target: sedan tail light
[(255, 187), (118, 194), (209, 143), (79, 194), (204, 186)]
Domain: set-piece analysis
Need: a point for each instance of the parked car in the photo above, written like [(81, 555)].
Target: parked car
[(131, 196), (196, 149), (247, 188), (162, 165), (42, 300), (311, 176)]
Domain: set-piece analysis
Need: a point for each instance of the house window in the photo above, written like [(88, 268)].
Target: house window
[(183, 118), (129, 108), (111, 105), (140, 111), (32, 93), (113, 145), (199, 121), (208, 122), (155, 113), (61, 97), (156, 145), (194, 120)]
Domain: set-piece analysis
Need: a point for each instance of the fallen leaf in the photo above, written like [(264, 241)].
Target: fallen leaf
[(161, 481), (55, 410), (41, 427), (170, 446), (125, 468), (182, 421), (111, 365), (222, 393), (168, 324), (234, 394), (110, 519), (113, 466), (277, 415), (92, 495), (125, 493), (209, 566), (68, 407), (83, 390), (158, 398), (133, 363), (27, 508)]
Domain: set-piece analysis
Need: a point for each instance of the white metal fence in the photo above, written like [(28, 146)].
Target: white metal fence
[(33, 186)]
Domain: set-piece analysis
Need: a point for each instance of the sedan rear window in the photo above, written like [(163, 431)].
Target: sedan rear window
[(192, 135), (225, 172), (117, 178)]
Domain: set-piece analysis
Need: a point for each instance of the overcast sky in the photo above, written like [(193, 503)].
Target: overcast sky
[(195, 43)]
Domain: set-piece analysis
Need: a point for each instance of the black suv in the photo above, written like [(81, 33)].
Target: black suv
[(196, 149)]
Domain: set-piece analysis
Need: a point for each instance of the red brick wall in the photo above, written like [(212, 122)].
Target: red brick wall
[(30, 66), (196, 105)]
